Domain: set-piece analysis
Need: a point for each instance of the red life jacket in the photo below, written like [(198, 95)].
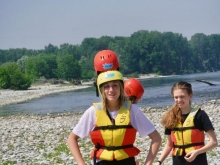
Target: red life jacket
[(113, 141)]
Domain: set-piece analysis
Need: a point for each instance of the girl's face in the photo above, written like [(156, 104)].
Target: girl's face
[(112, 90), (182, 98)]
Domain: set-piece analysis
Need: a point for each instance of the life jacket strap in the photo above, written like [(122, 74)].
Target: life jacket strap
[(184, 128), (113, 148), (109, 148), (188, 145), (112, 127)]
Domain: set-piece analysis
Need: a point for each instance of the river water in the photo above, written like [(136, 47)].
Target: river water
[(157, 94)]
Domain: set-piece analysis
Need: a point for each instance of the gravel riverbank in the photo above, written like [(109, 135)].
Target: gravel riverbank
[(41, 139), (35, 91), (8, 96)]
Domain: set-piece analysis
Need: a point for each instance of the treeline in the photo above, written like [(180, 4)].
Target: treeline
[(143, 52)]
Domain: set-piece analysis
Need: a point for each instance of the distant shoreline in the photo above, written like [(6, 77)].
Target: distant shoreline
[(153, 76), (8, 96)]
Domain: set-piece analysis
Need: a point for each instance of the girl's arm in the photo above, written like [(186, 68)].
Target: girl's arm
[(167, 149), (154, 147), (212, 143), (74, 148)]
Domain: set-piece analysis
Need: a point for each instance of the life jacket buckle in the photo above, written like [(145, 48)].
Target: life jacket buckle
[(111, 148), (112, 126)]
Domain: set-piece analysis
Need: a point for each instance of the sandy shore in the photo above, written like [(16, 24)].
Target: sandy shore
[(35, 91)]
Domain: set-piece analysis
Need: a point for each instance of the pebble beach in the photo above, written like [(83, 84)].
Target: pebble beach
[(41, 139), (8, 96)]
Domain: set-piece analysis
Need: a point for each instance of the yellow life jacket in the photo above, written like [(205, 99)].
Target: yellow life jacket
[(186, 137), (113, 141)]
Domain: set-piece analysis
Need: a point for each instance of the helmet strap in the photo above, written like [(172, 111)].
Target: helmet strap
[(96, 88)]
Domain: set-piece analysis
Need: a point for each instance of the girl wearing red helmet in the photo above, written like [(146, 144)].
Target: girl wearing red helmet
[(105, 60), (134, 90)]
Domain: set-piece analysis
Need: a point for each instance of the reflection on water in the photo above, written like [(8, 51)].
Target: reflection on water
[(157, 94)]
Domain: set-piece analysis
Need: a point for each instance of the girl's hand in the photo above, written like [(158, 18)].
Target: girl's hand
[(136, 161), (191, 156)]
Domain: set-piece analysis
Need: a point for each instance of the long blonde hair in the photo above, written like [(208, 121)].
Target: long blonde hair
[(174, 115), (122, 98)]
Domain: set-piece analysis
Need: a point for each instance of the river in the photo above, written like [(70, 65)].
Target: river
[(157, 94)]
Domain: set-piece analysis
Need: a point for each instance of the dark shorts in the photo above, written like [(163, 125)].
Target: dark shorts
[(201, 159), (128, 161)]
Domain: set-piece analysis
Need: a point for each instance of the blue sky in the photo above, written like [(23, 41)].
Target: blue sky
[(33, 24)]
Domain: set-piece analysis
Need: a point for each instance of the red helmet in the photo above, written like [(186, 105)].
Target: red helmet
[(106, 60), (133, 87)]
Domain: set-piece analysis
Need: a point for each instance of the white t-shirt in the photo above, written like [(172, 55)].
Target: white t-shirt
[(138, 120)]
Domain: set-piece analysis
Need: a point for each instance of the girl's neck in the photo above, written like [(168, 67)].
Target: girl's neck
[(113, 107), (186, 110)]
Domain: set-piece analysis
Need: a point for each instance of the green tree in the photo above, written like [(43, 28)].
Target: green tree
[(37, 67), (50, 49), (51, 64), (2, 56), (21, 63), (11, 77), (68, 68), (213, 51), (199, 44), (87, 69)]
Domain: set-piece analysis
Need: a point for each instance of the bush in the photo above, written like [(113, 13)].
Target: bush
[(11, 77)]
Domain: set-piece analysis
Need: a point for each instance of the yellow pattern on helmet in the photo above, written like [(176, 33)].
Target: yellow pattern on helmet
[(109, 76)]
